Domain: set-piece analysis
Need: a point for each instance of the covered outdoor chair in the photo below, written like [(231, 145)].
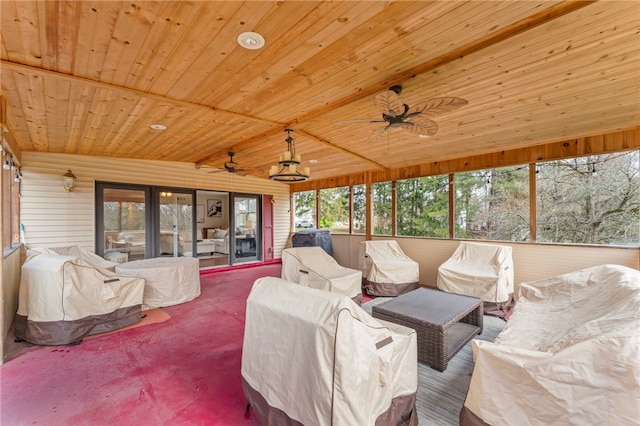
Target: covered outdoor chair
[(64, 298), (567, 356), (313, 267), (386, 269), (313, 357), (480, 270)]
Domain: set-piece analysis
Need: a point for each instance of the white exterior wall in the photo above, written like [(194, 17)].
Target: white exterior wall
[(53, 217), (531, 261)]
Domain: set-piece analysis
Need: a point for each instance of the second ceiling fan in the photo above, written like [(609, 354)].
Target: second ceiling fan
[(415, 119)]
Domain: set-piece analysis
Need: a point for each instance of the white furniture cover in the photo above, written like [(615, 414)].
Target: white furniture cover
[(386, 269), (169, 280), (64, 298), (314, 357), (313, 267), (480, 270), (569, 354)]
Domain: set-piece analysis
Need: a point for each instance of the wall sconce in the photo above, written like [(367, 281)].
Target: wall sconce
[(69, 181)]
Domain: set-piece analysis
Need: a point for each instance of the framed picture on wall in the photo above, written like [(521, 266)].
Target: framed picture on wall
[(200, 213), (214, 207)]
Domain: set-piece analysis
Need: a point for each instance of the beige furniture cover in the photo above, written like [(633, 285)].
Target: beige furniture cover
[(314, 357), (64, 298), (80, 253), (479, 270), (313, 267), (569, 354), (386, 269), (168, 280)]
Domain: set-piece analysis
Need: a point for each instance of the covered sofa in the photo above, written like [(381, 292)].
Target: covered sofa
[(569, 354), (65, 297), (386, 269), (480, 270), (313, 267), (313, 357)]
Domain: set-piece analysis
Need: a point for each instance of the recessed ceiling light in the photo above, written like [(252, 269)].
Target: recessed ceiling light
[(423, 136), (158, 127), (251, 40), (313, 161)]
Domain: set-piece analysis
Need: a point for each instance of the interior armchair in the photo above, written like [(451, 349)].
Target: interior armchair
[(219, 237)]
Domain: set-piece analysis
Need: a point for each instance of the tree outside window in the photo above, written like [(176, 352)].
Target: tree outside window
[(334, 209), (590, 200), (305, 209), (423, 206), (381, 197), (493, 204), (359, 225)]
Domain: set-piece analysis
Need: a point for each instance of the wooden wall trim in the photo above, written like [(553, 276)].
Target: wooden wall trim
[(600, 144)]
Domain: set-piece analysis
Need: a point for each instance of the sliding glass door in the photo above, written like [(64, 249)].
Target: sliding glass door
[(176, 223), (137, 222), (122, 222), (246, 223)]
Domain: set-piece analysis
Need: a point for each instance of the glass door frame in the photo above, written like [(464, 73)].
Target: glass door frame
[(151, 215), (100, 187), (157, 201), (233, 226)]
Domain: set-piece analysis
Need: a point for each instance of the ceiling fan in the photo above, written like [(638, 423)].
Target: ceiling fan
[(232, 167), (416, 119)]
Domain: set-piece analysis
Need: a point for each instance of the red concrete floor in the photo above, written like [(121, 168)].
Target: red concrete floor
[(184, 371)]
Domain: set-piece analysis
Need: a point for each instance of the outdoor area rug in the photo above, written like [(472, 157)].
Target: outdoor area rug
[(151, 316), (441, 395)]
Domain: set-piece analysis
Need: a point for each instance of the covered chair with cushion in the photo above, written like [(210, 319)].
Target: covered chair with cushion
[(480, 270), (386, 269), (314, 357), (313, 267), (64, 298)]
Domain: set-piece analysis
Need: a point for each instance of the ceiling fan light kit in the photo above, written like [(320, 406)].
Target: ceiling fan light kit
[(287, 169)]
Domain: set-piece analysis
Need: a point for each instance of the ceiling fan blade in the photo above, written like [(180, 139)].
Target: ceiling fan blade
[(388, 102), (381, 132), (358, 121), (435, 106), (421, 126)]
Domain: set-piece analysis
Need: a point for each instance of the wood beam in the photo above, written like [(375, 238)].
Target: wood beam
[(598, 144)]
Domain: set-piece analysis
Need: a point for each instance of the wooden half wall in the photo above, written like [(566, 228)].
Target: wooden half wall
[(531, 261)]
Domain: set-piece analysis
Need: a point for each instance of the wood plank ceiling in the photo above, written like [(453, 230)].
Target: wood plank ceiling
[(90, 77)]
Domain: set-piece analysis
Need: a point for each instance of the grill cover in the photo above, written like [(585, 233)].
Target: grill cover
[(313, 237)]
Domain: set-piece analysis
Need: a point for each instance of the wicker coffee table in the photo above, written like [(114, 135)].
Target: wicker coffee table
[(444, 322)]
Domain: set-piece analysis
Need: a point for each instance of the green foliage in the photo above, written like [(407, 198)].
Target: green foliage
[(423, 206)]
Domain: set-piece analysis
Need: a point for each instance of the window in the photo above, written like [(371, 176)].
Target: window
[(382, 218), (589, 200), (334, 209), (359, 225), (423, 206), (493, 204), (305, 209), (10, 203)]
